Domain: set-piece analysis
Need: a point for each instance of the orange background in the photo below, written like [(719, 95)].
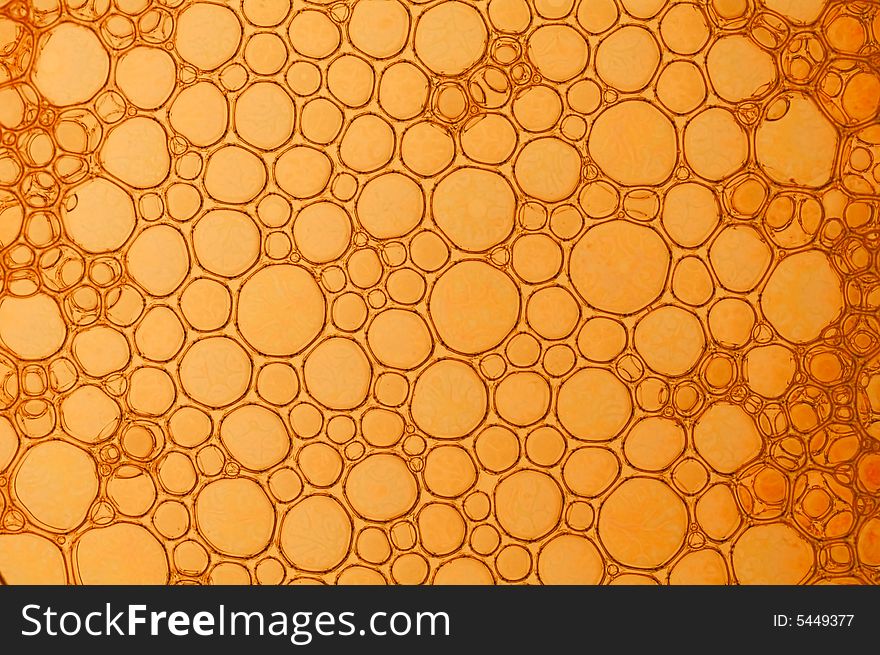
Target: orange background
[(404, 292)]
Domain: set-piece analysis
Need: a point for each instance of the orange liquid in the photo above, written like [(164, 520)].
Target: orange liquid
[(415, 292)]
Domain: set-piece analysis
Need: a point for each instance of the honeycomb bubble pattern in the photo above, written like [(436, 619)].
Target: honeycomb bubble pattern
[(375, 291)]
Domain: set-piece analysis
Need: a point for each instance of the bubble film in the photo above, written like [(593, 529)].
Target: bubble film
[(445, 292)]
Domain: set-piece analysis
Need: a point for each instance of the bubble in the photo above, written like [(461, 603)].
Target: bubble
[(160, 334), (264, 13), (528, 504), (399, 339), (205, 304), (653, 343), (771, 553), (207, 35), (681, 87), (56, 484), (351, 80), (123, 553), (441, 528), (89, 415), (298, 309), (98, 215), (867, 542), (536, 258), (559, 52), (235, 516), (552, 312), (277, 383), (31, 328), (654, 443), (322, 232), (474, 306), (474, 208), (692, 282), (489, 139), (379, 29), (449, 471), (740, 258), (514, 562), (590, 471), (337, 373), (769, 370), (427, 148), (255, 437), (512, 16), (131, 490), (381, 487), (690, 214), (177, 474), (798, 12), (700, 567), (316, 534), (136, 152), (30, 559), (642, 523), (403, 90), (183, 201), (485, 540), (373, 545), (731, 321), (601, 339), (593, 405), (643, 8), (449, 399), (783, 155), (726, 437), (537, 108), (301, 171), (215, 371), (522, 398), (390, 205), (158, 260), (739, 69), (497, 448), (553, 9), (627, 58), (798, 304), (684, 29), (602, 259), (234, 175), (9, 443), (548, 169), (71, 65), (367, 144), (200, 113), (146, 76), (597, 17), (463, 570), (265, 53), (570, 559), (190, 558), (450, 37), (226, 242), (264, 115), (634, 143), (715, 144), (321, 464)]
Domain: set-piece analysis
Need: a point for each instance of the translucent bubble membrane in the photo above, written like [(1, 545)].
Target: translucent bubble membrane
[(503, 291)]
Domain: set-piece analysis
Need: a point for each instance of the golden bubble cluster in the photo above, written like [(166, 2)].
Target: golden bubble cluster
[(386, 291)]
